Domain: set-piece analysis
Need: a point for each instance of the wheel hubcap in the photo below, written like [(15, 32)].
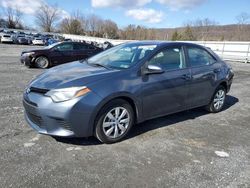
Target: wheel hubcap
[(219, 99), (42, 62), (116, 122)]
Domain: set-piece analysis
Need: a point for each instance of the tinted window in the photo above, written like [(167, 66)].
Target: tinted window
[(169, 59), (199, 57), (80, 46), (91, 47), (64, 47)]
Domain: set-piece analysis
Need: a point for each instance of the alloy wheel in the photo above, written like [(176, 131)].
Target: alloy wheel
[(42, 62), (116, 122), (219, 99)]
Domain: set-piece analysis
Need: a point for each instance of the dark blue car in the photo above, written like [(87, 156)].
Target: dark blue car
[(107, 94)]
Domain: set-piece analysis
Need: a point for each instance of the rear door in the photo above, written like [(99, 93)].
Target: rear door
[(166, 92), (81, 51), (62, 53), (204, 69)]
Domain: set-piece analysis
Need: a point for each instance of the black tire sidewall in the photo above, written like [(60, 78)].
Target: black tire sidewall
[(99, 134), (39, 66), (211, 105)]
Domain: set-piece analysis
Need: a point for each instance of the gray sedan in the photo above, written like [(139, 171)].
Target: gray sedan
[(107, 94)]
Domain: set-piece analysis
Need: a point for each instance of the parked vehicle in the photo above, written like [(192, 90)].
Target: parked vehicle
[(51, 41), (58, 53), (23, 40), (6, 38), (29, 38), (107, 45), (38, 41), (107, 94)]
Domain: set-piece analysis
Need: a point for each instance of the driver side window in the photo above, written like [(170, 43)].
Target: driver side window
[(65, 47), (169, 59)]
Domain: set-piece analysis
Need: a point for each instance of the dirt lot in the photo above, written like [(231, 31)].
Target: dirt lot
[(179, 150)]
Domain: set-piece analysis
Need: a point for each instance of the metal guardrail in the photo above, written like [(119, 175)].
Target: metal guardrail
[(232, 51)]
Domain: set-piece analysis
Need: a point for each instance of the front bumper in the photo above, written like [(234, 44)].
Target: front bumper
[(65, 119), (26, 60), (6, 41)]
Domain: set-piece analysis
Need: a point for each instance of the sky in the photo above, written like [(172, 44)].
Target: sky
[(149, 13)]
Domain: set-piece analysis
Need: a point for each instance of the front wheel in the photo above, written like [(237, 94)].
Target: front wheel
[(42, 62), (114, 121), (218, 100)]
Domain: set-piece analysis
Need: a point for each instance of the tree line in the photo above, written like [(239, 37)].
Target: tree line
[(48, 19)]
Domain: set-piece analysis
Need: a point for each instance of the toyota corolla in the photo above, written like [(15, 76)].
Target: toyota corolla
[(105, 95)]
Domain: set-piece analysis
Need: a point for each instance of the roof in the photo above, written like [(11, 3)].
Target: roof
[(165, 43)]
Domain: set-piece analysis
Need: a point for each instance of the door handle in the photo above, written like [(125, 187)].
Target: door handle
[(186, 76)]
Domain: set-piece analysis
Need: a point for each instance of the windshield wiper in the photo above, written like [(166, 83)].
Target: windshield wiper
[(99, 65)]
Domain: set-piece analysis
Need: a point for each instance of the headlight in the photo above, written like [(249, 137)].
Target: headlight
[(65, 94), (29, 53)]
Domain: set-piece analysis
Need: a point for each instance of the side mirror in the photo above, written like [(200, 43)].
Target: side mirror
[(152, 69)]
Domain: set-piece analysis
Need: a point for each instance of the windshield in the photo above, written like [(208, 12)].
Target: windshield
[(52, 45), (122, 56)]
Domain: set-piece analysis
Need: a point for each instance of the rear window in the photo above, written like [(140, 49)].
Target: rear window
[(65, 47), (199, 57), (78, 46)]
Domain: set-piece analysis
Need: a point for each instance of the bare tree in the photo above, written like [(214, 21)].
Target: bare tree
[(110, 29), (47, 16), (188, 34), (74, 24), (137, 32), (71, 26), (176, 36), (13, 18), (242, 20), (203, 28), (94, 25)]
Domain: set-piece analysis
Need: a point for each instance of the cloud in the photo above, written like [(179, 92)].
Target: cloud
[(25, 6), (181, 4), (64, 14), (147, 15), (119, 3), (29, 7)]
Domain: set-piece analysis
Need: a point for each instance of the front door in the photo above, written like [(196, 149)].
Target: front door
[(62, 53), (166, 92)]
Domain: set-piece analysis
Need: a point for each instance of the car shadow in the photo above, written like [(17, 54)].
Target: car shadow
[(152, 124)]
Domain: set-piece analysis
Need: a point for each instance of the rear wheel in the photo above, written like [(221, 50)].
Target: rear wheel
[(114, 121), (42, 62), (218, 100)]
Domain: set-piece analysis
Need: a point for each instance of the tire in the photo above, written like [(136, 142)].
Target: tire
[(114, 121), (42, 62), (218, 100)]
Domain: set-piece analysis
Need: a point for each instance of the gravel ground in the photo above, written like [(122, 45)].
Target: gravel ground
[(187, 149)]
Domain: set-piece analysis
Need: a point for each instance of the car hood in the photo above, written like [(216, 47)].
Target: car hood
[(35, 50), (71, 75)]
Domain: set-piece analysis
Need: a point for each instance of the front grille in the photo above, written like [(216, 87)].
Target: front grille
[(35, 119), (31, 111), (63, 124), (38, 90)]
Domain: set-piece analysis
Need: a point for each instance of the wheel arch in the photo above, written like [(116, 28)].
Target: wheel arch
[(224, 84), (135, 104), (41, 55)]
